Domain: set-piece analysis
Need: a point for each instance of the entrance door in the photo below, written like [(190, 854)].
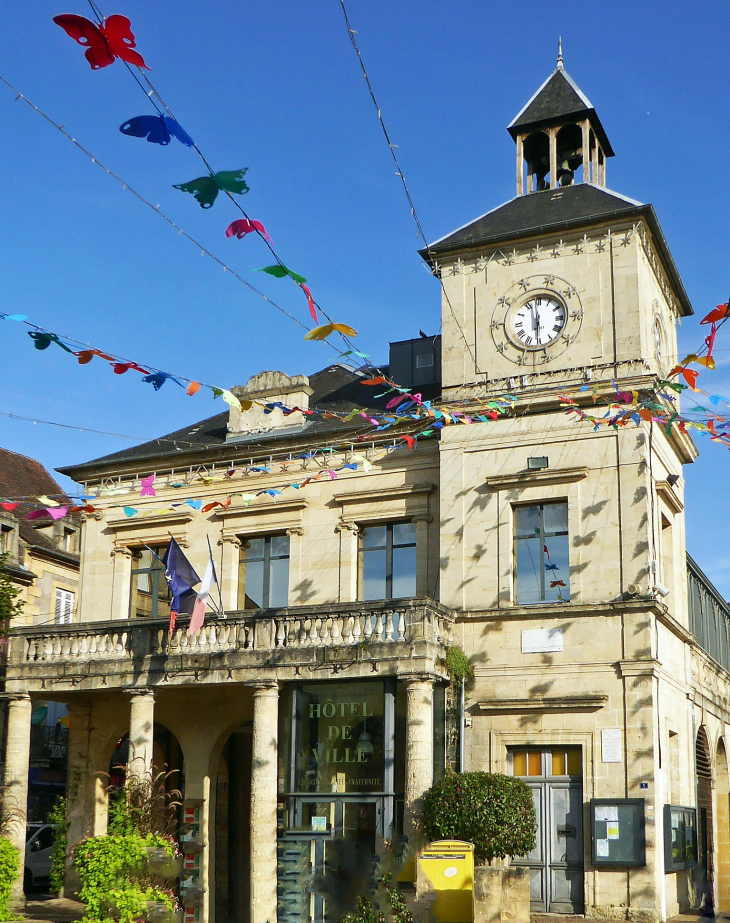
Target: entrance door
[(556, 862), (344, 866)]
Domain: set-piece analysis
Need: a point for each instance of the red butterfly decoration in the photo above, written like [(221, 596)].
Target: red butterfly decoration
[(113, 39)]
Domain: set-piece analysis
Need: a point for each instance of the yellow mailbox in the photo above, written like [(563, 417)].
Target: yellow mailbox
[(449, 866)]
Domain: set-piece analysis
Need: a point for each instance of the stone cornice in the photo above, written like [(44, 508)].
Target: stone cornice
[(181, 517), (385, 493), (283, 506), (667, 494), (582, 702), (538, 477)]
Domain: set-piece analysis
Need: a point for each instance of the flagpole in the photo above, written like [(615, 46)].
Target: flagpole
[(210, 551)]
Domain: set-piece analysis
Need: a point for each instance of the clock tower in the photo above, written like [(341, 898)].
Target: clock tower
[(562, 544), (568, 281)]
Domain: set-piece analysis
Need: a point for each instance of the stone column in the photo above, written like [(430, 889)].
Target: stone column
[(229, 564), (79, 809), (520, 167), (141, 732), (264, 796), (17, 760), (419, 746)]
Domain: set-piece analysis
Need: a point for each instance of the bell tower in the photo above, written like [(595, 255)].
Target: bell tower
[(566, 283), (559, 137)]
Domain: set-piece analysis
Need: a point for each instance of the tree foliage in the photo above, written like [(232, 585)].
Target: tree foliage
[(458, 666), (115, 885), (494, 812), (59, 819), (9, 862), (10, 605)]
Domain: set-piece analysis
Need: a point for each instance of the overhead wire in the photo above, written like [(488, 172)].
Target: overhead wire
[(154, 93), (399, 173)]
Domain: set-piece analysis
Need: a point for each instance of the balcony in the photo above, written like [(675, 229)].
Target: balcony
[(315, 641), (709, 616)]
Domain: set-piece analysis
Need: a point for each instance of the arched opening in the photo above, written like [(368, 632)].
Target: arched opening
[(167, 762), (704, 811), (233, 826), (536, 152), (569, 155), (722, 807)]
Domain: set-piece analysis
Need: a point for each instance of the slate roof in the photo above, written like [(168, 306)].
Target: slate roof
[(21, 476), (557, 100), (336, 388), (557, 210)]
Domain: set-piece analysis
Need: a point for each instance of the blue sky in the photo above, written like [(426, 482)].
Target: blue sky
[(275, 87)]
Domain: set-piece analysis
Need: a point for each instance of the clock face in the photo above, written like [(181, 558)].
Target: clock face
[(539, 321), (536, 319)]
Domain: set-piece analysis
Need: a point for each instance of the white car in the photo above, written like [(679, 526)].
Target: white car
[(38, 851)]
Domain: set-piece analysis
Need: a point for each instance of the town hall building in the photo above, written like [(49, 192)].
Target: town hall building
[(310, 714)]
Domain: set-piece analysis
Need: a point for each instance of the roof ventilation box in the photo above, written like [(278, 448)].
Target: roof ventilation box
[(416, 362)]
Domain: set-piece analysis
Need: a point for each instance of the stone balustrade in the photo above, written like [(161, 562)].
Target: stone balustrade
[(244, 639)]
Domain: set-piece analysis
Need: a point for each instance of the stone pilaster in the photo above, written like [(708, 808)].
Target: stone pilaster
[(122, 581), (17, 760), (141, 732), (419, 746), (230, 547), (264, 776)]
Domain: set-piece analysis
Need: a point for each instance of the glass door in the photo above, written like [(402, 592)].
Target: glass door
[(345, 834)]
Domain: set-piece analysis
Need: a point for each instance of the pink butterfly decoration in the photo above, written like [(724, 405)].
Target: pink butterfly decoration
[(245, 226), (147, 489)]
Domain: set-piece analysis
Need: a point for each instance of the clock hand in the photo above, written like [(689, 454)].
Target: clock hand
[(536, 322)]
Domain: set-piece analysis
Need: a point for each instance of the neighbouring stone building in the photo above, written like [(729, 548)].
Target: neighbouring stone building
[(308, 722), (43, 562)]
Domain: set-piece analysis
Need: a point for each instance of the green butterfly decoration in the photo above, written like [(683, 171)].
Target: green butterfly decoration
[(281, 272), (206, 188)]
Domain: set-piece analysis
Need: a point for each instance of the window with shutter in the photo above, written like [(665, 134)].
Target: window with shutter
[(64, 606)]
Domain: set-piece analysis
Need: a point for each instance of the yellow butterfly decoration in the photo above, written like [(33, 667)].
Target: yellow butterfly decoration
[(321, 333)]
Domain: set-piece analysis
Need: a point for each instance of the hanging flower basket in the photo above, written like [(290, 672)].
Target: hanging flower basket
[(161, 864)]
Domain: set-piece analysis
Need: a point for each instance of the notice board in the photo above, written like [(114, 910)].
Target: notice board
[(617, 832)]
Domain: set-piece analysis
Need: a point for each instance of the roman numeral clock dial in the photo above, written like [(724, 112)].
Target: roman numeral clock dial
[(536, 319), (539, 321)]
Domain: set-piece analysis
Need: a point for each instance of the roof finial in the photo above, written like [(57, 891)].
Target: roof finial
[(560, 53)]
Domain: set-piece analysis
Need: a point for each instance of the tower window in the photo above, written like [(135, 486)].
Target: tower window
[(541, 553)]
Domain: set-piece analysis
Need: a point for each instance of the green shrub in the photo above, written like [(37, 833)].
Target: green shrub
[(494, 812), (58, 818), (114, 883), (458, 666), (9, 863)]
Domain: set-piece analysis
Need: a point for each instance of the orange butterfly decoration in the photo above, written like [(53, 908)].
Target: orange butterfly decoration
[(321, 333)]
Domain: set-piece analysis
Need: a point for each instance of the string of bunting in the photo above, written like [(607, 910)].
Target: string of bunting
[(111, 38), (655, 406), (148, 486)]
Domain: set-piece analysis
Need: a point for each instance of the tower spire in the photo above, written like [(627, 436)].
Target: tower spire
[(560, 52)]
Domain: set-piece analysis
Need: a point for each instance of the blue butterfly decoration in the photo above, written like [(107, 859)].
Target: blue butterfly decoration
[(158, 129)]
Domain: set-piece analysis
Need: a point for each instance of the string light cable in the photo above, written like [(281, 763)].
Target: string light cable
[(156, 208), (401, 175), (152, 95)]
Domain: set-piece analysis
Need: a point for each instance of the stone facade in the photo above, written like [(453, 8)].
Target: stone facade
[(606, 691)]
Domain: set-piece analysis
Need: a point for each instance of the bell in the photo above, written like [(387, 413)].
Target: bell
[(565, 174)]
